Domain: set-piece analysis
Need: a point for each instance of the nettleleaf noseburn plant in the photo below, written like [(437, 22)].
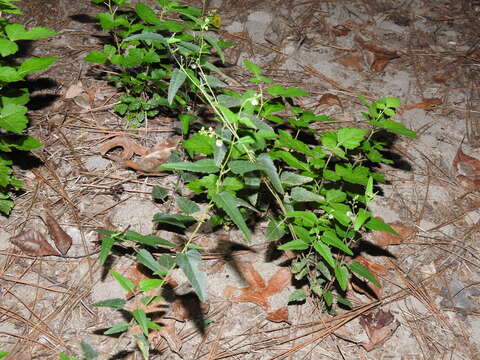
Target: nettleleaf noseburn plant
[(13, 119)]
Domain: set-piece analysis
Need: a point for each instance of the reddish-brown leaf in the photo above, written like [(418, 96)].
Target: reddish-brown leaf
[(377, 56), (375, 269), (467, 169), (340, 30), (405, 231), (379, 326), (351, 61), (129, 148), (329, 100), (258, 291), (167, 334), (425, 104), (279, 315), (62, 240), (33, 243)]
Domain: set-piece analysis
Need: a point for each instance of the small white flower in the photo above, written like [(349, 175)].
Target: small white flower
[(219, 142), (254, 102)]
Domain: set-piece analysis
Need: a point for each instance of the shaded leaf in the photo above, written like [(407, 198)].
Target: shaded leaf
[(111, 303), (33, 243), (177, 80), (297, 295), (141, 319), (188, 262), (88, 351), (62, 240), (179, 220), (119, 328), (201, 166), (226, 201), (341, 274), (124, 282)]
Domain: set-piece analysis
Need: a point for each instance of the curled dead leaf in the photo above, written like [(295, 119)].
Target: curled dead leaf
[(62, 240), (351, 61), (258, 291), (379, 326), (467, 169), (33, 243), (329, 100), (129, 147), (404, 231), (340, 30), (74, 90), (377, 56), (425, 104), (279, 315)]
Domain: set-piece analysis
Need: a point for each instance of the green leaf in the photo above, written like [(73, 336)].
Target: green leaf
[(391, 102), (397, 128), (302, 195), (124, 282), (294, 245), (214, 43), (106, 246), (177, 80), (369, 190), (329, 237), (12, 118), (344, 301), (292, 179), (188, 262), (3, 354), (159, 193), (9, 74), (62, 355), (360, 219), (141, 319), (253, 68), (279, 90), (265, 164), (350, 138), (201, 166), (341, 274), (97, 57), (32, 65), (107, 20), (305, 218), (119, 328), (241, 167), (7, 47), (147, 14), (6, 206), (290, 159), (150, 240), (150, 284), (88, 352), (145, 258), (335, 196), (286, 140), (219, 153), (26, 143), (179, 220), (325, 253), (214, 82), (17, 32), (200, 144), (186, 205), (275, 230), (229, 101), (147, 36), (111, 303), (185, 121), (363, 272), (328, 297), (226, 201), (377, 224), (297, 295)]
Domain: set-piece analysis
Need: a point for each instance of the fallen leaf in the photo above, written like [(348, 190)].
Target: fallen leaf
[(258, 291), (74, 90), (405, 231), (62, 240), (340, 30), (375, 269), (279, 315), (425, 104), (379, 326), (33, 243), (329, 100), (467, 169), (129, 147), (377, 56), (351, 61), (167, 334), (440, 77)]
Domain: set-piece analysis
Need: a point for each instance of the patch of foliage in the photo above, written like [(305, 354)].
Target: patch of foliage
[(13, 119)]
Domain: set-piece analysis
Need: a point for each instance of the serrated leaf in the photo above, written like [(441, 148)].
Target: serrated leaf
[(297, 295), (145, 258), (200, 144), (124, 282), (363, 272), (292, 179), (229, 101), (253, 68), (186, 205), (350, 138), (266, 164), (150, 240), (141, 318), (150, 284), (275, 230), (397, 128), (111, 303), (32, 65), (329, 237), (119, 328), (305, 218), (148, 36), (226, 201), (328, 297), (159, 193), (13, 119), (294, 245), (303, 195), (341, 274), (179, 220), (27, 143), (201, 166), (325, 253), (188, 262), (176, 82), (214, 82), (97, 57), (88, 352), (290, 159), (147, 14), (377, 224), (17, 32), (7, 47), (391, 102), (335, 196), (9, 74), (241, 167)]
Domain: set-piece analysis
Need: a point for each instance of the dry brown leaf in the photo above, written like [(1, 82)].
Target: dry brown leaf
[(425, 104), (62, 240), (329, 100), (167, 334), (33, 243), (340, 30), (405, 231), (379, 326), (129, 147), (467, 169), (258, 291), (74, 90), (374, 269), (377, 56), (279, 315), (351, 61), (440, 77)]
